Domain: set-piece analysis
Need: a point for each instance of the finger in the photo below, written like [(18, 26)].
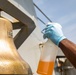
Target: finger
[(46, 35), (49, 26)]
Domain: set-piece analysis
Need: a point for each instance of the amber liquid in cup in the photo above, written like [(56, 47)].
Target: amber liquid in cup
[(45, 67)]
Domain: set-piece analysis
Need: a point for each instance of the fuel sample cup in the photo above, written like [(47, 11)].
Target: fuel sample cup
[(47, 59)]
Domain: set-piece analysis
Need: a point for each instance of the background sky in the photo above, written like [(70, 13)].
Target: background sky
[(60, 11)]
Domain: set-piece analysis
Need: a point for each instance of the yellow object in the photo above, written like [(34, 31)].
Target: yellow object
[(10, 60)]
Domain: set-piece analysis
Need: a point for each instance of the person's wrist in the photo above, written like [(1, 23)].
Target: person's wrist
[(60, 39)]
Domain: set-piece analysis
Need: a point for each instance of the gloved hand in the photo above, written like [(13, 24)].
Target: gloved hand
[(54, 32)]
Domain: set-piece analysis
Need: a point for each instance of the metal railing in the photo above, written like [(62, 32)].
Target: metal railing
[(42, 14)]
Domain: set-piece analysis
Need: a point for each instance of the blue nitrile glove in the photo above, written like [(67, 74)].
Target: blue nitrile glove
[(54, 32)]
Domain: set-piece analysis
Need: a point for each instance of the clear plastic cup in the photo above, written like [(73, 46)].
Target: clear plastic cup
[(47, 59)]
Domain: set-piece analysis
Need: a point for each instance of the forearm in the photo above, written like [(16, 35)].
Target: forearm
[(69, 49)]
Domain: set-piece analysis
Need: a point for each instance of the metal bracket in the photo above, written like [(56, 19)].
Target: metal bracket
[(26, 24)]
